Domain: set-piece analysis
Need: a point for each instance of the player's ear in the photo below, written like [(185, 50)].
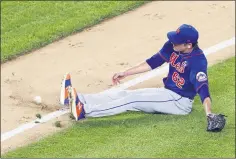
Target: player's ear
[(189, 45)]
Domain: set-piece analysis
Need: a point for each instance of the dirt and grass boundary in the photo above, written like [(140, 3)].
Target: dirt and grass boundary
[(27, 26)]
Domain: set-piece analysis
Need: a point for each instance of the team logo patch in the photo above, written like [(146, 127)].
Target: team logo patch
[(201, 77)]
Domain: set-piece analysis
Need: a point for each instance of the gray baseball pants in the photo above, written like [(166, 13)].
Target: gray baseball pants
[(149, 100)]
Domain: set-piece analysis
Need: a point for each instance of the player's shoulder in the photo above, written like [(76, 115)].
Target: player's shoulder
[(168, 43), (198, 55), (167, 48), (198, 58)]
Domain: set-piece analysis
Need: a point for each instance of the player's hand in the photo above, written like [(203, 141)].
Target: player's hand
[(117, 77), (216, 122)]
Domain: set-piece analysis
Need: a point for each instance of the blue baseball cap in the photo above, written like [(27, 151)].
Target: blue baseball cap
[(184, 34)]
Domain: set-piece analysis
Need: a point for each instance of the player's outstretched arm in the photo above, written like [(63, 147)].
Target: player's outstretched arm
[(151, 63), (143, 67), (207, 105), (215, 122)]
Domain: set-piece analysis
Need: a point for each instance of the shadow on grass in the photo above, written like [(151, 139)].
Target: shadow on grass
[(129, 119)]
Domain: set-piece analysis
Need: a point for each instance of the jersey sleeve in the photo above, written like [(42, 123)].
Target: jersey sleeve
[(155, 61), (166, 51), (199, 77), (161, 57)]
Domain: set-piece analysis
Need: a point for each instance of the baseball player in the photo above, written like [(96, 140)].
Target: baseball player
[(187, 77)]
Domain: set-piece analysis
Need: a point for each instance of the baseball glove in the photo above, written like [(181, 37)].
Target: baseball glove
[(216, 122)]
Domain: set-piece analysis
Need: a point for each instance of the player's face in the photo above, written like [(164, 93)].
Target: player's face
[(180, 47)]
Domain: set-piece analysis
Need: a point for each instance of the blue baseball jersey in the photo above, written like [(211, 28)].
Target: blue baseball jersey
[(187, 72)]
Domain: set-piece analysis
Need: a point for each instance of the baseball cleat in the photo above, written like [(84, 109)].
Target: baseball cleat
[(77, 107), (66, 83)]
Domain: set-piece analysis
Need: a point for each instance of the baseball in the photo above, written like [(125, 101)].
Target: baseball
[(37, 100)]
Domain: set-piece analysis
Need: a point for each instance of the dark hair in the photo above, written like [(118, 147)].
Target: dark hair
[(195, 45)]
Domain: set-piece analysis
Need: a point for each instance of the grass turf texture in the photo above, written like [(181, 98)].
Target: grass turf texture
[(30, 25), (142, 135)]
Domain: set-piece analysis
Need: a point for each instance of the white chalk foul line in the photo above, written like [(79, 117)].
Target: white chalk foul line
[(125, 85), (32, 124)]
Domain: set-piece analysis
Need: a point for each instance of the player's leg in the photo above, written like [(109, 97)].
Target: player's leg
[(98, 98), (149, 100), (80, 110), (102, 97), (165, 101), (105, 97)]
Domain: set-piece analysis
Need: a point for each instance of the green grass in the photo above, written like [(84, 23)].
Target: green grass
[(30, 25), (148, 135)]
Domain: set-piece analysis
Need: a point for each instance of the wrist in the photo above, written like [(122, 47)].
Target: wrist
[(208, 112), (126, 73)]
